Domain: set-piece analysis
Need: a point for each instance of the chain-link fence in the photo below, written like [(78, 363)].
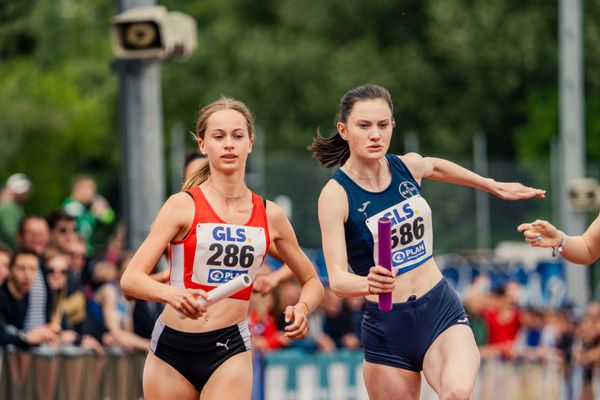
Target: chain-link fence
[(454, 207)]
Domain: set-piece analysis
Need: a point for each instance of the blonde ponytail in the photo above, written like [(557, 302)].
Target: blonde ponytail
[(198, 177)]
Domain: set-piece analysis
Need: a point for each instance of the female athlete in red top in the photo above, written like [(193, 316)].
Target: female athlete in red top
[(217, 229)]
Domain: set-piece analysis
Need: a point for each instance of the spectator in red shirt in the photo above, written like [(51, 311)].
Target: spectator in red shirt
[(503, 318), (263, 325)]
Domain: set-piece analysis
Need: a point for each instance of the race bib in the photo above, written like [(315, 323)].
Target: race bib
[(412, 236), (224, 251)]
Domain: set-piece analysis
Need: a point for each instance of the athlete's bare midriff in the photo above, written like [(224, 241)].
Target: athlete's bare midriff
[(414, 282), (225, 313)]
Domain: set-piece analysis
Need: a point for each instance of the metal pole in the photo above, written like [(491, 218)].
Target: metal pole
[(482, 199), (255, 176), (140, 117), (556, 179), (411, 142), (177, 147), (572, 135)]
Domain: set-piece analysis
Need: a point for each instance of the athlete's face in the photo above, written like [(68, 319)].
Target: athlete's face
[(368, 130), (227, 141)]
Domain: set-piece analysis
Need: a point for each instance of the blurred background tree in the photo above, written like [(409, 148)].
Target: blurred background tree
[(454, 67), (57, 97)]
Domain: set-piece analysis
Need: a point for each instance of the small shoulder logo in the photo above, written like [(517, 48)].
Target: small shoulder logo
[(364, 206), (462, 321), (407, 189)]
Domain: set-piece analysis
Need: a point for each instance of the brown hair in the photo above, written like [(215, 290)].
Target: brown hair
[(22, 252), (334, 150), (4, 248), (224, 103)]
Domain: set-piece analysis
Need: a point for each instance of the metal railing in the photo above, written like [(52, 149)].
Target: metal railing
[(73, 374), (70, 373)]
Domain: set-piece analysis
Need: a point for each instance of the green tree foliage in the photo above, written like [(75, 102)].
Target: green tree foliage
[(454, 67), (57, 96)]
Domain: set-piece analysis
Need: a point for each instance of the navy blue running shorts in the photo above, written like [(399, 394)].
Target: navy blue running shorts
[(401, 337)]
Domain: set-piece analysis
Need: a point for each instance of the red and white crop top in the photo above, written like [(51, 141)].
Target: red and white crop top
[(214, 251)]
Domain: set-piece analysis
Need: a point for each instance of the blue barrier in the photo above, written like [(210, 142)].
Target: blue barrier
[(294, 374)]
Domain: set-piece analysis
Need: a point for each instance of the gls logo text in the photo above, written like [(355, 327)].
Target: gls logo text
[(226, 233), (396, 217)]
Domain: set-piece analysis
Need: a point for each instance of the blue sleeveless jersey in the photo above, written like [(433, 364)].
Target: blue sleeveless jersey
[(401, 202)]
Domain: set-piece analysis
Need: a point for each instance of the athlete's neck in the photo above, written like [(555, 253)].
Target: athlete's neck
[(372, 171), (229, 188)]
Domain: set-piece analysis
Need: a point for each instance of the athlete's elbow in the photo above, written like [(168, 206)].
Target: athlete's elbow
[(127, 284), (337, 288)]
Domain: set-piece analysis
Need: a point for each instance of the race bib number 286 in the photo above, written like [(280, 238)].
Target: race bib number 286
[(226, 251)]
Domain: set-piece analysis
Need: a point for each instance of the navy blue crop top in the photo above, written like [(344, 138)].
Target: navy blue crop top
[(401, 201)]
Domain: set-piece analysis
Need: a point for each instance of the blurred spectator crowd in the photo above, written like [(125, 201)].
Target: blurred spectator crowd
[(58, 289)]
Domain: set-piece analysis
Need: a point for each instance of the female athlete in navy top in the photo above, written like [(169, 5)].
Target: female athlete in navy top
[(427, 329)]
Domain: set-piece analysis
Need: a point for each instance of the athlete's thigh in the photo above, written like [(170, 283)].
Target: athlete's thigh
[(389, 383), (452, 361), (162, 381), (231, 380)]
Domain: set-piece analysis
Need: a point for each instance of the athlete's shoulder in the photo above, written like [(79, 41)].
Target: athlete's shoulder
[(332, 190), (178, 207), (415, 163), (273, 209), (180, 199), (333, 200)]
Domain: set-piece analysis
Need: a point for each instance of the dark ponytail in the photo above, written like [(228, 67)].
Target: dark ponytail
[(334, 150), (329, 151)]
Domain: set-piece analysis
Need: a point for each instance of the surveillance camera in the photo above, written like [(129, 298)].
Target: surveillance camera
[(151, 32), (584, 194)]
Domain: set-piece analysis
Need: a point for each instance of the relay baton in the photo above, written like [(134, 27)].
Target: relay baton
[(225, 290), (384, 246)]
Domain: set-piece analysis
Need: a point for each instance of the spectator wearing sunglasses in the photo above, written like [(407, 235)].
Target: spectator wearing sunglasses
[(67, 308), (63, 230)]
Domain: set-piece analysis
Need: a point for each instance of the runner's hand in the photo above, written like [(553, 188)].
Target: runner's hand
[(381, 280)]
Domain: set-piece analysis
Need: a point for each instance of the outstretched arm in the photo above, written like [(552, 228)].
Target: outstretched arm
[(442, 170), (582, 249)]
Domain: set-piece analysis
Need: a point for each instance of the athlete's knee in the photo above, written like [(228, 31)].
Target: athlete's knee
[(455, 391)]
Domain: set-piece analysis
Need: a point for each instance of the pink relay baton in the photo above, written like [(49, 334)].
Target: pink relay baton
[(384, 246)]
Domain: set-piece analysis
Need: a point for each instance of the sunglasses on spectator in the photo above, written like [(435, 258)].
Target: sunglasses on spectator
[(60, 270), (64, 229)]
